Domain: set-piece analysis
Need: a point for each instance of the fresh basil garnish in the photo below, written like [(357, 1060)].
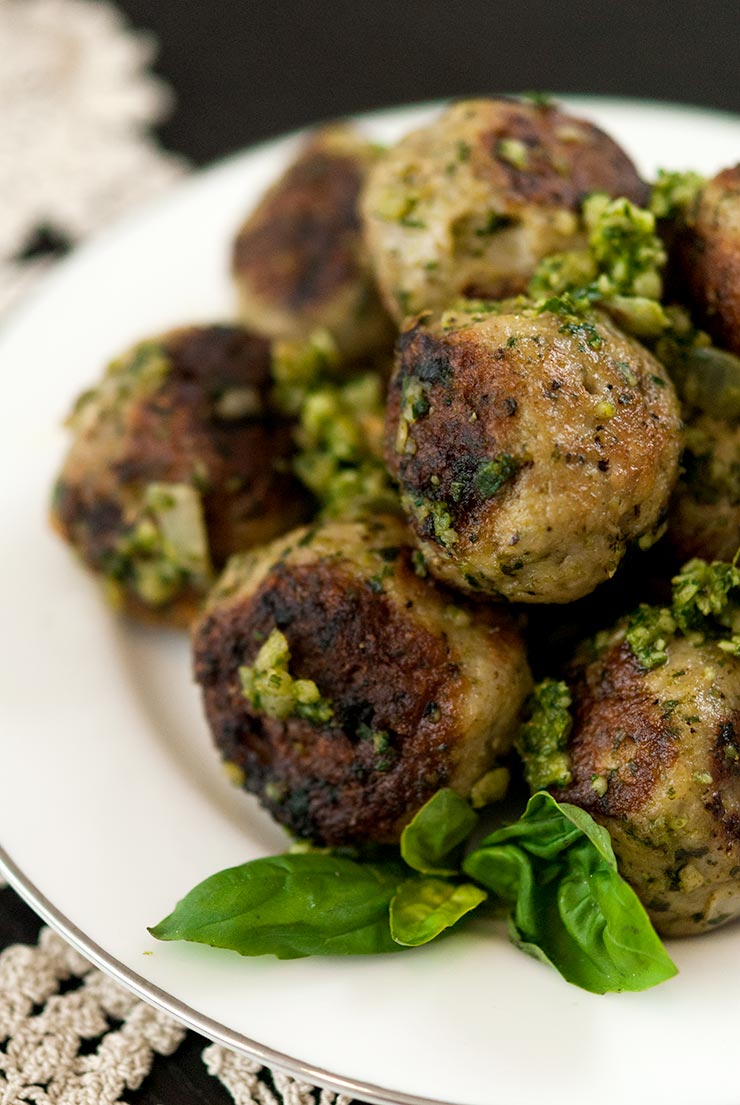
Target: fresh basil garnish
[(570, 907), (290, 906), (429, 841), (423, 908), (554, 867)]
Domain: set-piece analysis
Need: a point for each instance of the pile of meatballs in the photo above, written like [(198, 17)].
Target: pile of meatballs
[(520, 461)]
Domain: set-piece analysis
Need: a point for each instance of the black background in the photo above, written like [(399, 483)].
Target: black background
[(244, 71), (247, 70)]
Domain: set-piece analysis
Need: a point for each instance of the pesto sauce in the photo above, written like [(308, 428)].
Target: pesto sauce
[(543, 738), (270, 689)]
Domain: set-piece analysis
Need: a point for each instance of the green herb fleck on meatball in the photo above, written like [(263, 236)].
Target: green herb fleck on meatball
[(493, 474)]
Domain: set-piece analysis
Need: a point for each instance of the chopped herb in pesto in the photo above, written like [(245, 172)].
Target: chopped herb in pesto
[(649, 630), (493, 474), (339, 438), (706, 597), (270, 688), (438, 513), (674, 194), (543, 738), (621, 271), (705, 605), (299, 366)]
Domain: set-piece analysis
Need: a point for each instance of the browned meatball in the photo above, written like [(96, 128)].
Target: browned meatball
[(471, 202), (655, 758), (704, 518), (416, 693), (299, 261), (530, 449), (708, 250), (177, 462)]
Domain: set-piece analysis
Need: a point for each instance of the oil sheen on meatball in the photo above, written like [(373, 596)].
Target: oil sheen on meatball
[(709, 254), (530, 449), (424, 692), (177, 462), (655, 758), (469, 203), (299, 261)]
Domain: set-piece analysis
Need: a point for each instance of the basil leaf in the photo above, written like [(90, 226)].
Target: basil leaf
[(438, 828), (557, 869), (423, 908), (290, 906)]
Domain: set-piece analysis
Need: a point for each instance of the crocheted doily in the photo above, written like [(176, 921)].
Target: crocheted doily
[(69, 1035), (75, 105)]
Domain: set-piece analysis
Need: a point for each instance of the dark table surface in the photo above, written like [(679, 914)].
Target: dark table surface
[(244, 70)]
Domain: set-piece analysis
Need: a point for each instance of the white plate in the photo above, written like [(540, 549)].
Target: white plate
[(112, 803)]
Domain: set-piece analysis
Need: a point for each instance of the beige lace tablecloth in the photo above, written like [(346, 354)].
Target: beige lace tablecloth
[(76, 102)]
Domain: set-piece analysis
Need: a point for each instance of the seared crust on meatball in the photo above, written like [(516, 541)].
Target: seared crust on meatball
[(187, 415), (655, 758), (704, 518), (471, 202), (424, 694), (708, 250), (529, 449), (299, 261)]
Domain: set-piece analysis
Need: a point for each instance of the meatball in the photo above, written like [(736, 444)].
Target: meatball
[(470, 203), (708, 251), (655, 758), (299, 261), (704, 519), (398, 692), (530, 449), (177, 462)]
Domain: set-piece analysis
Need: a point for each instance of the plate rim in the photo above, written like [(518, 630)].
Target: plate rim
[(145, 990), (186, 1014)]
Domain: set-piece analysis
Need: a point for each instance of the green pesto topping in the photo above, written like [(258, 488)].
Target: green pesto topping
[(674, 194), (621, 270), (514, 152), (625, 246), (339, 438), (441, 519), (649, 630), (493, 474), (300, 365), (270, 688), (706, 597), (705, 605), (543, 738), (166, 550), (559, 272)]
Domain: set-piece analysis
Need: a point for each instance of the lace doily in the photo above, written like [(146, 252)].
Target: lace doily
[(76, 102), (69, 1035)]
